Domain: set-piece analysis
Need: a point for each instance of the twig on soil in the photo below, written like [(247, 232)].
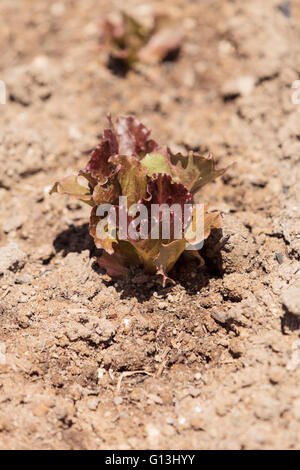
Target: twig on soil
[(128, 374), (164, 362), (5, 293)]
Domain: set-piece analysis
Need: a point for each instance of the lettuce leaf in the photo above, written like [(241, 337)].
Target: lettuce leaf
[(128, 163)]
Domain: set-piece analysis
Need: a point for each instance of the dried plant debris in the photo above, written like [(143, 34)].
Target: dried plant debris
[(142, 200), (129, 40)]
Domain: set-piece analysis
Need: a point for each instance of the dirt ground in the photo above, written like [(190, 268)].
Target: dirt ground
[(214, 361)]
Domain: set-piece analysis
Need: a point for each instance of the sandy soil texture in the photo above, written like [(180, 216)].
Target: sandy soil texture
[(214, 361)]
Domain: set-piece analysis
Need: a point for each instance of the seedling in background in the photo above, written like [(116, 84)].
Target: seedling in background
[(128, 166), (131, 42)]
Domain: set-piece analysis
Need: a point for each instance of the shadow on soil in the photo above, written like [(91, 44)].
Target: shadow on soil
[(120, 67), (75, 240)]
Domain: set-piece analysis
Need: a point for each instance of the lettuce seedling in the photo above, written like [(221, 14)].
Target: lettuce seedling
[(128, 166), (132, 42)]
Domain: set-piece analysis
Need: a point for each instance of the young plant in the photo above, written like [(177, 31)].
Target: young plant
[(147, 194), (132, 42)]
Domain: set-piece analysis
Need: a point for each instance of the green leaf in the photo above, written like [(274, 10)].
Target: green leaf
[(76, 186), (194, 170), (132, 177), (167, 257), (147, 250), (156, 163)]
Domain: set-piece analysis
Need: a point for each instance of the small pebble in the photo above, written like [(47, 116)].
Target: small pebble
[(162, 305), (118, 401), (23, 279), (93, 404)]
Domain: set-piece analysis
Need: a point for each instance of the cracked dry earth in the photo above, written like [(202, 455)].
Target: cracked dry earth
[(212, 362)]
